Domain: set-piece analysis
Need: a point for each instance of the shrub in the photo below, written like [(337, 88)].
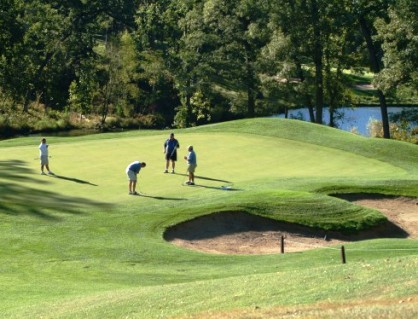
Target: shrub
[(401, 132)]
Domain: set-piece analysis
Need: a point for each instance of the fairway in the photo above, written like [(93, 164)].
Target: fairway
[(76, 245)]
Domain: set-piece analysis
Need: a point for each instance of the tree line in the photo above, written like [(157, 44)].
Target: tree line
[(190, 62)]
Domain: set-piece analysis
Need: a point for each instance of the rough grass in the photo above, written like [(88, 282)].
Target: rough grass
[(77, 246)]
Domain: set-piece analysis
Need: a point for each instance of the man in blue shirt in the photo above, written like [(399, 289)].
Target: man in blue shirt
[(132, 171), (170, 149), (191, 164)]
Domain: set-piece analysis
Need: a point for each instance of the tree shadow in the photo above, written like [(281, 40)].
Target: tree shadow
[(15, 170), (17, 198), (71, 179)]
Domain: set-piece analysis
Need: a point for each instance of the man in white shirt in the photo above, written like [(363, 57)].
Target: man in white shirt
[(43, 154)]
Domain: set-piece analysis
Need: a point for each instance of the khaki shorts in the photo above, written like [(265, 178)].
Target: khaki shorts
[(44, 160), (191, 168), (131, 175)]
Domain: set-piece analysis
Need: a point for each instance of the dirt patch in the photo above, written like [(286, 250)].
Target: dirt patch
[(241, 233)]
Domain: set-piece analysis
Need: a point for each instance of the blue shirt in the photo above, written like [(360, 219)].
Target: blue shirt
[(135, 166), (191, 158), (170, 145)]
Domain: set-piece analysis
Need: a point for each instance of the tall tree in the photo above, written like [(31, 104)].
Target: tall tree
[(367, 13), (239, 32), (10, 26), (173, 33), (400, 46), (57, 36), (311, 28), (337, 57), (12, 30)]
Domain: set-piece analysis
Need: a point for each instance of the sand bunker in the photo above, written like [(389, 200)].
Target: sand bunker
[(242, 233)]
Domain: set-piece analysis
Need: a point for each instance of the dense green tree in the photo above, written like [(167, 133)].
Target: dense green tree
[(173, 34), (366, 13), (238, 31), (400, 46), (316, 34), (11, 28), (156, 36), (58, 37), (338, 56), (110, 82), (196, 61)]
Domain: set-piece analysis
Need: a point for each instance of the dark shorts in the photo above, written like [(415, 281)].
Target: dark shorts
[(171, 156)]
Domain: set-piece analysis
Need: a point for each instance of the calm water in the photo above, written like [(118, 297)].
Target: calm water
[(349, 118)]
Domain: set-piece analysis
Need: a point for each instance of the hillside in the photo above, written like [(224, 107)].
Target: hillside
[(76, 245)]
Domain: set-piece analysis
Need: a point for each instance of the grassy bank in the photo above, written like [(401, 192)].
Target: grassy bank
[(76, 245)]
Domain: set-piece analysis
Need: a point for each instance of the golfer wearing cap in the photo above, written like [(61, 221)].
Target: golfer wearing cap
[(191, 164)]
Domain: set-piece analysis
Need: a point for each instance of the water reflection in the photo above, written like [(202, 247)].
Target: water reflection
[(349, 119)]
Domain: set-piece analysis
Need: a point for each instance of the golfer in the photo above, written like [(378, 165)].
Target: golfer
[(43, 155), (132, 171), (191, 164), (170, 149)]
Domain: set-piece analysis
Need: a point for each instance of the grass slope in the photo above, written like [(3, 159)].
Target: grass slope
[(77, 246)]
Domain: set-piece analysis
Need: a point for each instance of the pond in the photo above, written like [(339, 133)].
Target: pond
[(347, 118)]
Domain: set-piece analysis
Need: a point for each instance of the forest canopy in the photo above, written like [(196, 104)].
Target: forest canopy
[(160, 63)]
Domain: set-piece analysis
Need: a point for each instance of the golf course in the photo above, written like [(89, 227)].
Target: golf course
[(76, 245)]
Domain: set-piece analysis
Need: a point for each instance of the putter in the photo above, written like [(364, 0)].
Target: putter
[(172, 153), (139, 190), (185, 180)]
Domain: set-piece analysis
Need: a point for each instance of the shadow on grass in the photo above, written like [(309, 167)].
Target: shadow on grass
[(71, 179), (17, 198), (212, 179), (228, 223), (221, 188), (207, 178), (160, 197)]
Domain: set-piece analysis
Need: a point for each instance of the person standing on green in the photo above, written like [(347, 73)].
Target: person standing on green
[(170, 149), (43, 155), (191, 164)]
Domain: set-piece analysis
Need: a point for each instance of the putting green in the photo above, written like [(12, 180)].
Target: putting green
[(96, 169)]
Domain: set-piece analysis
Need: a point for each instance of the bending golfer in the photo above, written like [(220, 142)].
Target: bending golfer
[(191, 164), (43, 155), (170, 149), (132, 171)]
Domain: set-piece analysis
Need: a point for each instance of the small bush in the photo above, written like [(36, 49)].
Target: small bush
[(400, 132)]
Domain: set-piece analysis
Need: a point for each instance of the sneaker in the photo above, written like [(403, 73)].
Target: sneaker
[(166, 171), (135, 193), (172, 172), (188, 183), (130, 193), (191, 183), (50, 173), (43, 173)]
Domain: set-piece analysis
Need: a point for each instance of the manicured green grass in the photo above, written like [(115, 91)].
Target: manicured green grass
[(78, 246)]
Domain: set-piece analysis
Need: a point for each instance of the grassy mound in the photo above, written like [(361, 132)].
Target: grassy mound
[(77, 245)]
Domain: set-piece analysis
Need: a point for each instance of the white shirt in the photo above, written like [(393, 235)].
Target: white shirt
[(43, 149)]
